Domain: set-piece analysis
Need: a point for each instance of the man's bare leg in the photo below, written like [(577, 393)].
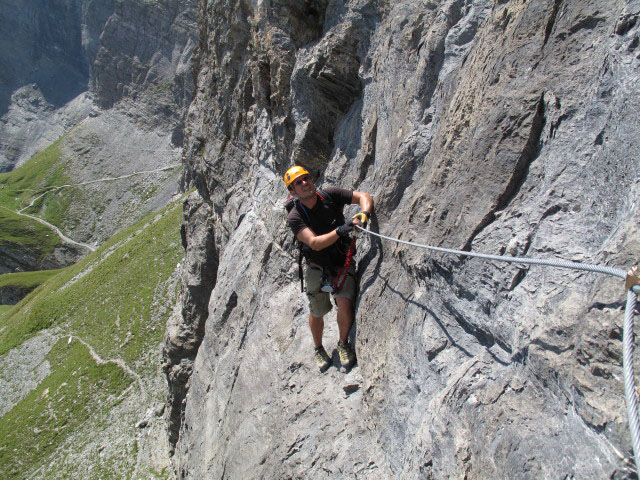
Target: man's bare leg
[(316, 324), (345, 318)]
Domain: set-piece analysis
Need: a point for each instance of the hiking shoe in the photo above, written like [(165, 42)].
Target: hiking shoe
[(323, 360), (346, 354)]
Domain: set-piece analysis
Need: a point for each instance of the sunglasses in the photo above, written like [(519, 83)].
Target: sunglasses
[(301, 180)]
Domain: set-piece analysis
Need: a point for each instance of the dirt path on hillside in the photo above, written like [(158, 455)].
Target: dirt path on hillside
[(62, 236), (120, 363), (88, 182)]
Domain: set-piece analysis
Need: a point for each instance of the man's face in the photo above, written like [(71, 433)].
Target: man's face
[(304, 187)]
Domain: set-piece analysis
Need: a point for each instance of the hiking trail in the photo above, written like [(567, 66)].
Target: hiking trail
[(62, 236)]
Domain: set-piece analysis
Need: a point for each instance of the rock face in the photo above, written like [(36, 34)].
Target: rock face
[(17, 258), (503, 127), (45, 67), (44, 46), (186, 326), (119, 73), (12, 295), (67, 59)]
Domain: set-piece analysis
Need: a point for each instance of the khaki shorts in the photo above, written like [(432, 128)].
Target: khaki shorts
[(319, 301)]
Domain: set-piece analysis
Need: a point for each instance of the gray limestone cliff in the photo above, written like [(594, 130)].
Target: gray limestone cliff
[(112, 80), (504, 127), (64, 60)]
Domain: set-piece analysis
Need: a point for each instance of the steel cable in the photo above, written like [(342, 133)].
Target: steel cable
[(630, 391), (500, 258)]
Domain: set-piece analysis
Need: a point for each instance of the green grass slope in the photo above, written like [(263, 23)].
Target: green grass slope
[(26, 236), (26, 280), (32, 431), (15, 285), (111, 307), (43, 172), (121, 278)]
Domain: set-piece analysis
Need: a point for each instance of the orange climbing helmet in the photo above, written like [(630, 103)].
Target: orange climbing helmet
[(293, 173)]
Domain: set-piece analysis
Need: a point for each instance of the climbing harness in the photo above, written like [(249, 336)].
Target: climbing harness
[(341, 278), (632, 287), (338, 282)]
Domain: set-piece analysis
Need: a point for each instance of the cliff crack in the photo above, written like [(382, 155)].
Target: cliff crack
[(232, 303), (370, 155), (550, 347), (186, 328), (520, 171), (606, 306), (551, 22), (484, 337)]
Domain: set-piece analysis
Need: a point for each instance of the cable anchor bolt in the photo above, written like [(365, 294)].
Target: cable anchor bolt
[(633, 280)]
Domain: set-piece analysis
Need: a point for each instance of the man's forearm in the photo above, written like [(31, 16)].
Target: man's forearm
[(321, 242), (366, 204)]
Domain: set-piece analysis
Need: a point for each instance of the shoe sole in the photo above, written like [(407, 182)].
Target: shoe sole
[(324, 368), (345, 367)]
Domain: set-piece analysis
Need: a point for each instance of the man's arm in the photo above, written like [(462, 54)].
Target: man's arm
[(366, 204), (317, 242)]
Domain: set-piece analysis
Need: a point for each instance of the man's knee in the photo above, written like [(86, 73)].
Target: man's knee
[(344, 304)]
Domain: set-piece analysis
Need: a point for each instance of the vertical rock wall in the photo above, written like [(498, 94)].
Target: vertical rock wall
[(505, 127), (66, 59), (42, 44)]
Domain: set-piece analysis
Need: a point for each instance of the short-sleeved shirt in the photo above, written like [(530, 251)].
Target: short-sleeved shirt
[(324, 217)]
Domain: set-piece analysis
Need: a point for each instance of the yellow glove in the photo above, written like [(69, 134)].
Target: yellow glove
[(362, 217)]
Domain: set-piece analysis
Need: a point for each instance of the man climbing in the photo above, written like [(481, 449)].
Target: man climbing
[(317, 221)]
